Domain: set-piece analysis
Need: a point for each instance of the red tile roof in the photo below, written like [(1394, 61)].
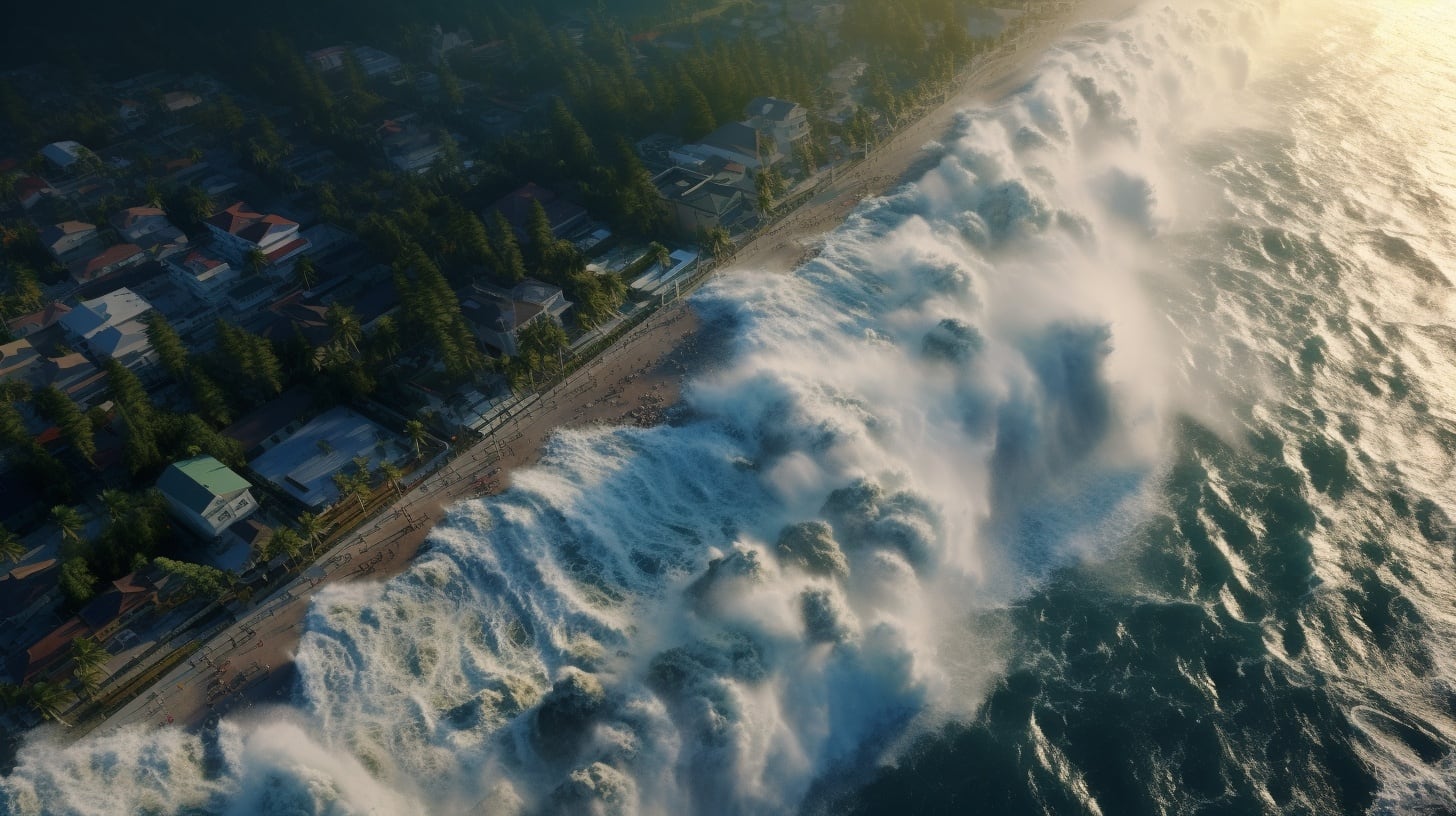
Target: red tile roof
[(30, 185), (282, 251), (198, 258), (251, 226), (48, 652), (42, 319), (131, 215), (84, 271)]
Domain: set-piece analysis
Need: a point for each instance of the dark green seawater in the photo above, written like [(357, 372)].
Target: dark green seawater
[(1280, 636), (1105, 468)]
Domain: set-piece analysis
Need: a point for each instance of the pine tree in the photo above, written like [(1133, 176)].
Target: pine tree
[(571, 144), (700, 121), (209, 400), (508, 251), (171, 351), (253, 356), (74, 425), (128, 391), (637, 203)]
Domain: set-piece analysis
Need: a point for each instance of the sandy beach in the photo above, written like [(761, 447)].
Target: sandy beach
[(249, 663)]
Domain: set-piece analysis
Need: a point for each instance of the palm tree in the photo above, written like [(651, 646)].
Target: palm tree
[(11, 548), (660, 254), (352, 486), (614, 287), (117, 503), (305, 274), (313, 528), (344, 328), (87, 658), (70, 523), (384, 340), (415, 430), (392, 474), (48, 700), (154, 196), (282, 541), (718, 243), (255, 260)]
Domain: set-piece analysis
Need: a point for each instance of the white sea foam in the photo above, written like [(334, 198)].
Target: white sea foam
[(968, 387)]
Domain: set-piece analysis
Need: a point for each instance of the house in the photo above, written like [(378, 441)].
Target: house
[(187, 311), (409, 147), (112, 326), (64, 155), (563, 215), (107, 262), (106, 613), (136, 223), (19, 361), (66, 239), (497, 315), (782, 121), (30, 190), (76, 377), (150, 229), (659, 278), (132, 114), (303, 465), (206, 495), (173, 101), (443, 42), (695, 202), (25, 590), (202, 273), (271, 423), (735, 142), (27, 324), (251, 294), (294, 317), (239, 230), (374, 62), (327, 59), (47, 658)]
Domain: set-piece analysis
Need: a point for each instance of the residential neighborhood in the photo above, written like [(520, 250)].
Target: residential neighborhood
[(240, 306)]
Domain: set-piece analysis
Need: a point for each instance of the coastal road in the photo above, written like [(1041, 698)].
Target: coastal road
[(243, 666)]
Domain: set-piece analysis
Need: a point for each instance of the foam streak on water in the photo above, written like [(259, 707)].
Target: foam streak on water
[(1098, 470)]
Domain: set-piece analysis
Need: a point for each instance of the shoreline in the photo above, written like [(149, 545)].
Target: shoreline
[(250, 663)]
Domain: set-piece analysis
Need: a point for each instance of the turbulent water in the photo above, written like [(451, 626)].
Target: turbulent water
[(1107, 468)]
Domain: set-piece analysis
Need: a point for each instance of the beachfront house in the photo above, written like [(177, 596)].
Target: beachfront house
[(497, 315), (206, 495), (128, 599), (695, 202), (735, 142), (782, 121)]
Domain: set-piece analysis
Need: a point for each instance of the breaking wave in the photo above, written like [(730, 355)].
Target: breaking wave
[(973, 387)]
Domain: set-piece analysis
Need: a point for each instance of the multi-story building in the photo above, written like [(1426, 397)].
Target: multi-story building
[(239, 231)]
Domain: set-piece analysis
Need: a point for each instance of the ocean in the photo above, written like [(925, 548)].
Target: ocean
[(1105, 468)]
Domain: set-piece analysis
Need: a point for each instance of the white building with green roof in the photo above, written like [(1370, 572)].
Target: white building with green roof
[(206, 495)]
